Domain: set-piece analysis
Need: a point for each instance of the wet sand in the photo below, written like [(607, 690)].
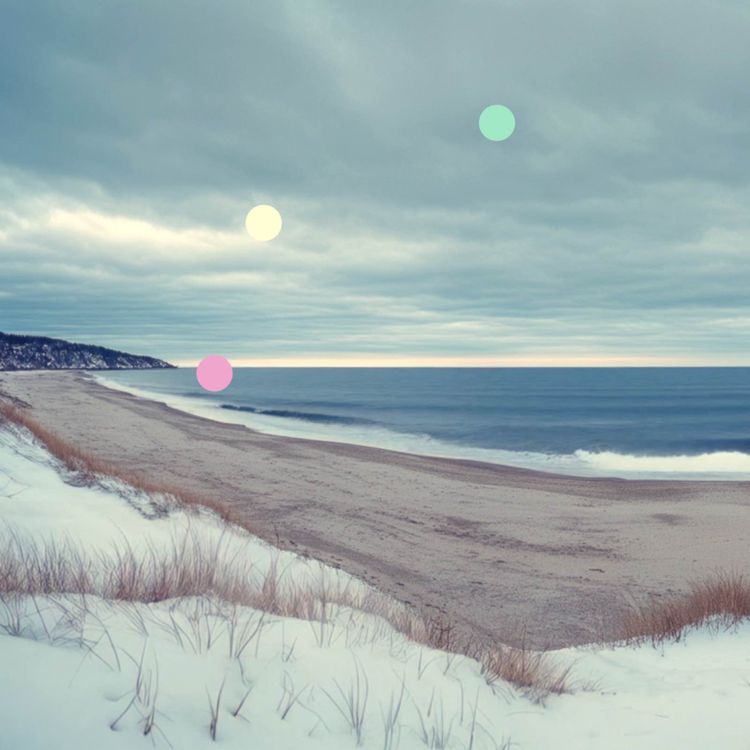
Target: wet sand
[(500, 551)]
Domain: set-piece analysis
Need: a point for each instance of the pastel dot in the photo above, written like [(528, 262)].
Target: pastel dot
[(497, 122), (214, 373), (263, 223)]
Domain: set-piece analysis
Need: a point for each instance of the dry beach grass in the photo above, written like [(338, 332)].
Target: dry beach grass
[(721, 600), (87, 464)]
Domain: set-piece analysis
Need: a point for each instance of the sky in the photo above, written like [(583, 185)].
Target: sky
[(612, 227)]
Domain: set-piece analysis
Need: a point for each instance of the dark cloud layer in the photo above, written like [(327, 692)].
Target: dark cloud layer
[(614, 223)]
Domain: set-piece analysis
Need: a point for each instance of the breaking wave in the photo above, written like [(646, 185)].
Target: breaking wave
[(303, 416)]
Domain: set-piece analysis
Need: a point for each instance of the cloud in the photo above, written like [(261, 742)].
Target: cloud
[(613, 224)]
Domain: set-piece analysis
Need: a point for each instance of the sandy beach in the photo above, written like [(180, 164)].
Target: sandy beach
[(500, 551)]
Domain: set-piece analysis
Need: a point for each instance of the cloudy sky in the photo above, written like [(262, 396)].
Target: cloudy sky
[(612, 227)]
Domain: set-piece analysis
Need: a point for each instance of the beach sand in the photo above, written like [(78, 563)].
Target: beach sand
[(507, 554)]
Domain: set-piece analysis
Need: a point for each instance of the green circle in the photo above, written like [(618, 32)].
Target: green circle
[(497, 122)]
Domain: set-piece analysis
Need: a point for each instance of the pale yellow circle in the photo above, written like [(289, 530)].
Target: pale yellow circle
[(263, 223)]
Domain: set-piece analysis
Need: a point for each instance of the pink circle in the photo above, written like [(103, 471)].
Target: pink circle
[(214, 373)]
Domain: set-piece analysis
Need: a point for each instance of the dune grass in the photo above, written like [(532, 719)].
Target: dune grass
[(531, 671), (87, 465), (190, 565), (719, 601)]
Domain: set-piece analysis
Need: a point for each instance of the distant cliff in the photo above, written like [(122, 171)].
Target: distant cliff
[(41, 353)]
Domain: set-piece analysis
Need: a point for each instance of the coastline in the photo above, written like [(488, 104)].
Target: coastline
[(498, 550), (717, 464)]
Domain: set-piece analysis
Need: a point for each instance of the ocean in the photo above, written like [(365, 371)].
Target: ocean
[(627, 422)]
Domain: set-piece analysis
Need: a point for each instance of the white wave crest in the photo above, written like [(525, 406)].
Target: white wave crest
[(719, 463)]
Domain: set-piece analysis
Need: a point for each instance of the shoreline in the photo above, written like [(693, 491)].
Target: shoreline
[(499, 550), (721, 465), (221, 415)]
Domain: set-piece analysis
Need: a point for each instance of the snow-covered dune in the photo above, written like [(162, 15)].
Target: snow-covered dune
[(197, 672)]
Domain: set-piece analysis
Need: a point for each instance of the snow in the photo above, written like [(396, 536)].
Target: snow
[(73, 668)]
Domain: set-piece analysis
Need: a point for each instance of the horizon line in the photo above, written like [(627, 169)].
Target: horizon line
[(354, 362)]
